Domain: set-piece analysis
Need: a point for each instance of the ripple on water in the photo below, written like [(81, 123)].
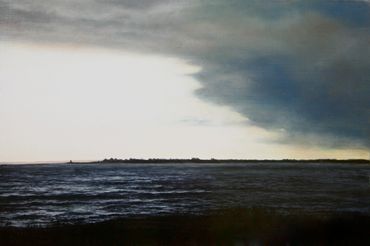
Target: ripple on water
[(41, 195)]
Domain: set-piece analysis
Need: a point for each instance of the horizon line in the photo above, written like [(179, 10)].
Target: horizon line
[(192, 159)]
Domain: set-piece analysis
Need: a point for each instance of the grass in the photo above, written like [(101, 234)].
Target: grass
[(226, 227)]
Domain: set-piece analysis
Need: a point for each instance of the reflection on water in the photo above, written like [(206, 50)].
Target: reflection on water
[(42, 194)]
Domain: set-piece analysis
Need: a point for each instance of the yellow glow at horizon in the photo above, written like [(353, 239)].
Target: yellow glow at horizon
[(64, 102)]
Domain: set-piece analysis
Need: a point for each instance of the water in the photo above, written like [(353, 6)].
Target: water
[(45, 194)]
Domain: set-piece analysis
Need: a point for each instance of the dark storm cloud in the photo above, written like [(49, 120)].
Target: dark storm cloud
[(300, 67)]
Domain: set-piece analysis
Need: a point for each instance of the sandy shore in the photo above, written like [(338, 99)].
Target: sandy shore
[(227, 227)]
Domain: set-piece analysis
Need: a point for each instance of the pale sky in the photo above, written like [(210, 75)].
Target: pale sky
[(85, 103), (115, 83)]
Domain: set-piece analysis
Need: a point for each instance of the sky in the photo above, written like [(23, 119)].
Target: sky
[(91, 79)]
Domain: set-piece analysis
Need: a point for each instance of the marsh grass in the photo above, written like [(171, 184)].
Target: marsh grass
[(238, 226)]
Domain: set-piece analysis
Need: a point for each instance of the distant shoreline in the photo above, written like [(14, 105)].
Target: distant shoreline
[(207, 161), (194, 161)]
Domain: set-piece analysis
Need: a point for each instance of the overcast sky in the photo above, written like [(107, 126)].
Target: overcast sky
[(91, 79)]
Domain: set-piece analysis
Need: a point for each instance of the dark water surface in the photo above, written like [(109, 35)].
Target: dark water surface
[(44, 194)]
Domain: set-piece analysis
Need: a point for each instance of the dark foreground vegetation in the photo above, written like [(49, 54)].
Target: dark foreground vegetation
[(228, 227)]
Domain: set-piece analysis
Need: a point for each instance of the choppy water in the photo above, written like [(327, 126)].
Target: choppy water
[(44, 194)]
